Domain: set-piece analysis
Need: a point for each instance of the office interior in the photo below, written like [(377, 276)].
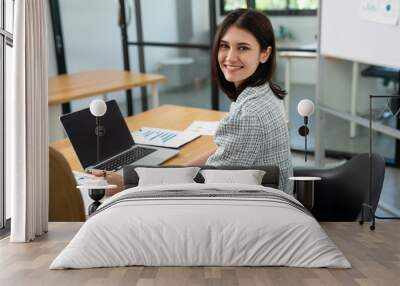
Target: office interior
[(188, 75), (173, 38)]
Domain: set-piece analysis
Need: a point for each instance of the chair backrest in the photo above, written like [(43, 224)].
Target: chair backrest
[(65, 201), (342, 191)]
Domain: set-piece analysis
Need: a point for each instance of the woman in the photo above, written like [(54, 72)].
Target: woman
[(254, 133)]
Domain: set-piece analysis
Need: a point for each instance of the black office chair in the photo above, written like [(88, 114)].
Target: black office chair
[(340, 194)]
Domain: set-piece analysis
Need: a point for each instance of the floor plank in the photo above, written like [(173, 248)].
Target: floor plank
[(375, 257)]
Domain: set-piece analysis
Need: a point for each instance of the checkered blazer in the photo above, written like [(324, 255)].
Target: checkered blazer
[(254, 132)]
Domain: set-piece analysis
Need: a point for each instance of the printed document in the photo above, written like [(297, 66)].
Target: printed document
[(203, 127), (163, 137)]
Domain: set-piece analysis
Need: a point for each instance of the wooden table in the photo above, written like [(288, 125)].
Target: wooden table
[(67, 87), (166, 116)]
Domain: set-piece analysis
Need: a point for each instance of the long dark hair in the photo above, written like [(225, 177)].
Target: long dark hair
[(260, 26)]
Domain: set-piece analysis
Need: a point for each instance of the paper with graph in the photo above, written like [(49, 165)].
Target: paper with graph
[(163, 137)]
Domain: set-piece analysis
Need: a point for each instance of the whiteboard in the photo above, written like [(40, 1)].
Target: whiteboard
[(343, 34)]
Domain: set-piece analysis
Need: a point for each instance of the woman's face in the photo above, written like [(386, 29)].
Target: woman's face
[(240, 54)]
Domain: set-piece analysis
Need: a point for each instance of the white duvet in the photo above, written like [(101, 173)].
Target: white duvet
[(207, 230)]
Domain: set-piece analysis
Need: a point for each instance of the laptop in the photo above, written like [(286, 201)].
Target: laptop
[(117, 147)]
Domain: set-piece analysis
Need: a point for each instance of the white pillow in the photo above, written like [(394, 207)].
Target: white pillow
[(166, 176), (248, 177)]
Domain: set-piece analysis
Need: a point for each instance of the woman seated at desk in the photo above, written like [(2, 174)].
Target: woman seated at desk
[(254, 132)]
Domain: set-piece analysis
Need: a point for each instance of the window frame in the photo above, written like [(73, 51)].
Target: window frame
[(6, 39), (284, 12)]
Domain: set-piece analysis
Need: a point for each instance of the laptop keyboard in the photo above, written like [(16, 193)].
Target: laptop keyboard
[(125, 159)]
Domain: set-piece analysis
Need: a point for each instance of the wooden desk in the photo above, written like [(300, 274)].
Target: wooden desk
[(67, 87), (166, 116)]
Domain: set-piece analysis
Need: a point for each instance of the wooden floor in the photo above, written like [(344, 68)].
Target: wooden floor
[(374, 255)]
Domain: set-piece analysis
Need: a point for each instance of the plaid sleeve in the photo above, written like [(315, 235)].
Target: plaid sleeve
[(238, 138)]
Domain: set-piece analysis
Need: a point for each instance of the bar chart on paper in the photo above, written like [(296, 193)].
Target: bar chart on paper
[(163, 137)]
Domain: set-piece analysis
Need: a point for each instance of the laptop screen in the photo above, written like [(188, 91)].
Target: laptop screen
[(80, 127)]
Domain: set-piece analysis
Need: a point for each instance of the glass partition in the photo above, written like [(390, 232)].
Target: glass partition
[(6, 29), (178, 21), (187, 72)]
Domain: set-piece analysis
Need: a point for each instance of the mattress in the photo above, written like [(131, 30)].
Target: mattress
[(201, 225)]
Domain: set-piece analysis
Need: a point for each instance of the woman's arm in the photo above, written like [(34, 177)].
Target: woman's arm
[(112, 178), (239, 140)]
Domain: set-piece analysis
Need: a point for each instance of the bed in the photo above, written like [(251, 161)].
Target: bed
[(201, 224)]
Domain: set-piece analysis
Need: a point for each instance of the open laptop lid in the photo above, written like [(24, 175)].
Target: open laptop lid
[(80, 127)]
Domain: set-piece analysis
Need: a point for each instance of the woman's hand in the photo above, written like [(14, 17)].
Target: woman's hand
[(112, 178)]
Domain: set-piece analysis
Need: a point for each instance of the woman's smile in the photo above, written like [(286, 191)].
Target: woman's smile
[(232, 67)]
